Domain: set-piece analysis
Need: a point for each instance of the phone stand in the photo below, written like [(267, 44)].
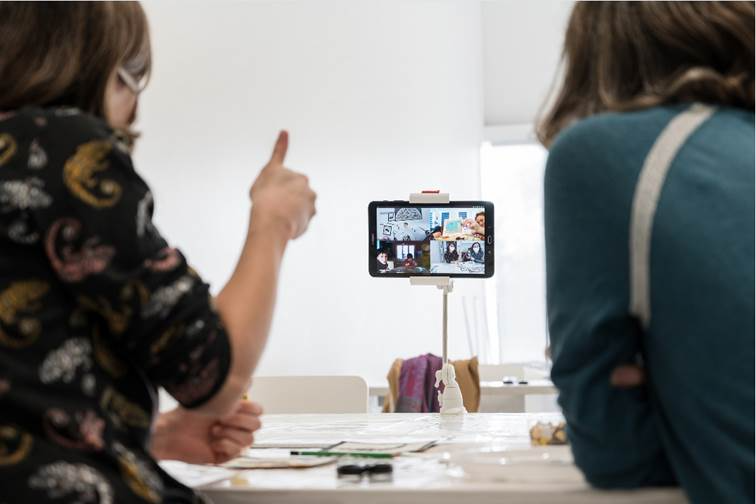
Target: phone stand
[(450, 399)]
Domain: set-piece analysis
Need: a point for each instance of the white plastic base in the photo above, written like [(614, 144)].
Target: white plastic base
[(451, 399)]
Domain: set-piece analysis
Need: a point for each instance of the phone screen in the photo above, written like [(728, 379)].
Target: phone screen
[(454, 239)]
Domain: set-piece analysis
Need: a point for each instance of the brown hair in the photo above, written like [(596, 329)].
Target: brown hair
[(62, 53), (621, 56)]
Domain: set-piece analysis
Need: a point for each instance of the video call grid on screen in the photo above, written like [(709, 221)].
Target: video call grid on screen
[(440, 241)]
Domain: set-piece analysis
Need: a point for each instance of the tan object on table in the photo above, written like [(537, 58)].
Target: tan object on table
[(547, 433)]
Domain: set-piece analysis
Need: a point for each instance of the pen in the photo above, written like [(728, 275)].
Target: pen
[(322, 453)]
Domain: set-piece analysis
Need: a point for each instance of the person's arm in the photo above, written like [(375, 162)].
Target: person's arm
[(283, 205), (613, 431), (474, 226)]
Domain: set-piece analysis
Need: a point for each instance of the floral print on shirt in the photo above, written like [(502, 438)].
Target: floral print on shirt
[(96, 312)]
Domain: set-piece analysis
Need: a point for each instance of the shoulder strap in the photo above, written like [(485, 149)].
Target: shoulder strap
[(646, 199)]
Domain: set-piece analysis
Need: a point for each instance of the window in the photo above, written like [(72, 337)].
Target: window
[(512, 178), (403, 250)]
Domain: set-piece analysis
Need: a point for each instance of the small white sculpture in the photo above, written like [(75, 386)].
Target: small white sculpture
[(450, 399)]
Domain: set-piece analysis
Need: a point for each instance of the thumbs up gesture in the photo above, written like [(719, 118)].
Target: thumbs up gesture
[(282, 200)]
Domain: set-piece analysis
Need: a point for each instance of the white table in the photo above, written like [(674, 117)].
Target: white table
[(418, 478)]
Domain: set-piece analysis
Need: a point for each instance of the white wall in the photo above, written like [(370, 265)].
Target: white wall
[(522, 44), (381, 99)]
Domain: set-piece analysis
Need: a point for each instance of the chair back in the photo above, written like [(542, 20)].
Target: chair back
[(310, 394)]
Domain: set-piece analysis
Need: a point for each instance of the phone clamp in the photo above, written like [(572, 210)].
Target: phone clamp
[(450, 399)]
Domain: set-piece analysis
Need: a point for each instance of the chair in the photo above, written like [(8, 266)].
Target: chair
[(310, 394), (467, 379)]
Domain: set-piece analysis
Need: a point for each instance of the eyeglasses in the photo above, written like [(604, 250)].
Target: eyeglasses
[(136, 86)]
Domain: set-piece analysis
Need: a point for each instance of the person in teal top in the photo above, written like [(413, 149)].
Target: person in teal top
[(663, 395)]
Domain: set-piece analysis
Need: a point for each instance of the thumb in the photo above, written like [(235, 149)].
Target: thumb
[(279, 151)]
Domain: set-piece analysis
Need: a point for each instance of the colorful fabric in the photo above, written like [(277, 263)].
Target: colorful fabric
[(409, 389), (417, 392), (96, 311)]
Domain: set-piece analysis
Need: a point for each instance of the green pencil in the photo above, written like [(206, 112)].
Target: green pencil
[(323, 453)]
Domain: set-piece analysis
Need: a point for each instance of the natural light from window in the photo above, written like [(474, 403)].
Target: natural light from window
[(512, 178)]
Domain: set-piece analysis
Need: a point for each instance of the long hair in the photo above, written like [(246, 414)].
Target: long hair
[(621, 56), (448, 255)]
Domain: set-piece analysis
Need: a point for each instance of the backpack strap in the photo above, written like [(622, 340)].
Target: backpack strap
[(646, 199)]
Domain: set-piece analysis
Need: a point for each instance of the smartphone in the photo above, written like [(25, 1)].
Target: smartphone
[(454, 239)]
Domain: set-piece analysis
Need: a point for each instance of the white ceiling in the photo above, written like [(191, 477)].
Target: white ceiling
[(522, 43)]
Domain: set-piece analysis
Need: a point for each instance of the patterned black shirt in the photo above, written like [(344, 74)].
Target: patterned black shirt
[(96, 312)]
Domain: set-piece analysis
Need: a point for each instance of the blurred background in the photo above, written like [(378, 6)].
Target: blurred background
[(381, 99)]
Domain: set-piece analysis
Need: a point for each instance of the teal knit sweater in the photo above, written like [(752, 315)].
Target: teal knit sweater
[(693, 423)]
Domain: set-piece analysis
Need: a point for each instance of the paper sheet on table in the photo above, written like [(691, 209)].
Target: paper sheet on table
[(195, 476), (392, 448), (383, 446), (278, 458), (275, 459)]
